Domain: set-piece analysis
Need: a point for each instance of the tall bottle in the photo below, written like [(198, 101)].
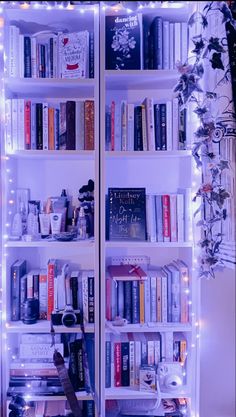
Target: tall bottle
[(82, 224)]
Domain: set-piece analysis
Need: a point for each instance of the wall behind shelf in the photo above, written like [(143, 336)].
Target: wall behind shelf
[(217, 360)]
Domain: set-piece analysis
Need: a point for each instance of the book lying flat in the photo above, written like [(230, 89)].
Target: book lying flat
[(126, 272)]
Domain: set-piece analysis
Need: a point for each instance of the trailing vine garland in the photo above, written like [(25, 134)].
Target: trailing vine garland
[(214, 127)]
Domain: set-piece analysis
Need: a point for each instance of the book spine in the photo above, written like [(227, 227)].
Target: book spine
[(156, 29), (128, 301), (108, 128), (8, 130), (150, 124), (108, 299), (89, 125), (51, 145), (177, 43), (153, 295), (184, 294), (73, 367), (117, 364), (36, 285), (112, 125), (12, 68), (51, 273), (163, 127), (131, 363), (157, 125), (74, 291), (147, 297), (166, 217), (20, 123), (145, 43), (150, 352), (175, 124), (80, 365), (33, 126), (171, 57), (27, 57), (135, 302), (91, 54), (159, 299), (91, 301), (39, 350), (45, 126), (33, 57), (79, 125), (21, 56), (180, 217), (70, 124), (151, 218), (43, 299), (56, 128), (62, 127), (184, 43), (175, 297), (43, 60), (159, 218), (164, 304), (125, 364), (187, 215), (169, 126), (50, 57), (182, 129), (30, 285), (166, 45), (173, 218), (120, 299), (137, 356), (117, 127), (23, 293), (39, 126), (144, 352), (157, 351), (27, 124), (144, 128), (85, 297), (141, 302), (56, 66), (138, 138), (123, 126), (108, 365), (130, 127)]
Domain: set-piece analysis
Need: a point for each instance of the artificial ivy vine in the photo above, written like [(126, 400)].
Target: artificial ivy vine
[(211, 130)]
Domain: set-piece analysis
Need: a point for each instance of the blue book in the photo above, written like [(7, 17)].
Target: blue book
[(135, 303), (125, 364), (88, 408), (138, 136), (27, 57), (159, 218), (90, 351), (108, 128), (128, 301), (108, 364), (91, 54), (120, 299), (124, 41)]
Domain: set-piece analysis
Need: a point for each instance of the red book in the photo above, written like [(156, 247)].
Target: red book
[(27, 124), (51, 276), (126, 272), (108, 299), (112, 125), (117, 364), (89, 125), (166, 217)]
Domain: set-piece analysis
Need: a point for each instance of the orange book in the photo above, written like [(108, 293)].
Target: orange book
[(51, 145), (89, 125), (141, 300), (183, 351)]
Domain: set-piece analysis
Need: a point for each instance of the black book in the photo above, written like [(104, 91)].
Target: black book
[(128, 301), (156, 33), (43, 60), (27, 57), (91, 54), (125, 364), (80, 364), (124, 42), (18, 270), (163, 126), (51, 57), (39, 126), (23, 293), (70, 125), (146, 34), (91, 299), (157, 123), (88, 408), (127, 214), (74, 290), (182, 129), (138, 136)]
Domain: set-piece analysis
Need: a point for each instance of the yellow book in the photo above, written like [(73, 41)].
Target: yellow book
[(141, 299)]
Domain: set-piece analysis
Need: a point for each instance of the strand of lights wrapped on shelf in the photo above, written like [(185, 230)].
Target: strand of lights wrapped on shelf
[(212, 128)]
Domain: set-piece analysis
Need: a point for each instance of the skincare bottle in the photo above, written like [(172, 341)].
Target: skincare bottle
[(82, 224)]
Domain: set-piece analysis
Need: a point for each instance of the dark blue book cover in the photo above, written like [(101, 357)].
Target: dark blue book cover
[(124, 42), (125, 364), (88, 408), (138, 135), (91, 54), (146, 35), (127, 214), (120, 299), (108, 365), (128, 301), (27, 57), (90, 354)]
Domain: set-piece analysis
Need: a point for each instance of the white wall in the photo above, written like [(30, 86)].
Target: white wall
[(217, 374)]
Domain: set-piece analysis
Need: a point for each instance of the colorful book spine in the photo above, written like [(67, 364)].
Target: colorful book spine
[(43, 296), (141, 302), (147, 296), (117, 364), (33, 126), (166, 217), (135, 303), (51, 112), (173, 217), (27, 124), (89, 125), (46, 122), (112, 125), (51, 273)]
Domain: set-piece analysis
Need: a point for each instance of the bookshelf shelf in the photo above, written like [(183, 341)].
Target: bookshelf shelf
[(139, 79), (53, 155), (82, 396), (130, 244), (51, 244), (148, 328), (126, 393), (44, 327), (147, 154), (44, 87)]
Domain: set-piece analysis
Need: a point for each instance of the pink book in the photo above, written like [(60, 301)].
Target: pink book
[(166, 217), (126, 272)]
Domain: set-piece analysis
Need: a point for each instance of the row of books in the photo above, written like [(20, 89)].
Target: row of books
[(145, 127), (125, 357), (45, 126), (159, 295), (48, 286), (57, 408), (51, 55), (137, 41), (33, 361), (133, 215)]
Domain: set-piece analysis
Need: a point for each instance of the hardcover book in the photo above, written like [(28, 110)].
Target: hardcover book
[(127, 214), (126, 272), (74, 54), (124, 42)]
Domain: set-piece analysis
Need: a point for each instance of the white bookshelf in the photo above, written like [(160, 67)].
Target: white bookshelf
[(46, 173)]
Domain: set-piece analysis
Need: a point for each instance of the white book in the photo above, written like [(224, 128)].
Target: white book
[(157, 349), (151, 355), (169, 126), (45, 126), (175, 124), (73, 54), (21, 123), (173, 218), (79, 125), (21, 56), (144, 128), (164, 304), (147, 300), (55, 58), (166, 44), (32, 365), (171, 58), (33, 57), (137, 356), (39, 350), (153, 296), (131, 363), (13, 59), (8, 130), (31, 338), (149, 107), (167, 346), (184, 42), (177, 43), (130, 127), (180, 217), (187, 201), (61, 297), (151, 218)]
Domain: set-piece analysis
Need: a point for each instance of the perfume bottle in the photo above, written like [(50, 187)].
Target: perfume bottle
[(82, 224)]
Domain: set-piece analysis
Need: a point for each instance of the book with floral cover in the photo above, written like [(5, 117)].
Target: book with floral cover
[(124, 42)]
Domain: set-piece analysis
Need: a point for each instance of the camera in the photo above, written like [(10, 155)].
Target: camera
[(68, 317), (170, 376)]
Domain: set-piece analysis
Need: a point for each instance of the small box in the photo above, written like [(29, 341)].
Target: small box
[(147, 378)]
